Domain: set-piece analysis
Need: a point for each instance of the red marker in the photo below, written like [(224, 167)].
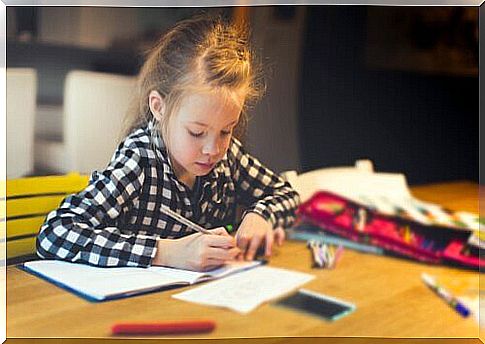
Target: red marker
[(169, 327)]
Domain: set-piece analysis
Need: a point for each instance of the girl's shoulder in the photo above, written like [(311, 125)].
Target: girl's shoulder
[(235, 149), (139, 142), (236, 153)]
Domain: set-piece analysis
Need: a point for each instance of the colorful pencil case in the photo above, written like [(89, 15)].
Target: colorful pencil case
[(396, 234)]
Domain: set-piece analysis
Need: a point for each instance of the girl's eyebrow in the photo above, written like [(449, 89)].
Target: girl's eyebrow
[(205, 125), (198, 123)]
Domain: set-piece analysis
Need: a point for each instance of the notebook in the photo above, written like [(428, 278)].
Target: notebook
[(102, 284)]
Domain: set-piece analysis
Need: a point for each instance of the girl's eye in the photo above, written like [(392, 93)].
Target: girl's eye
[(226, 132), (196, 134)]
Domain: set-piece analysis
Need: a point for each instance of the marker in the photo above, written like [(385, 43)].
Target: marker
[(170, 327), (317, 259), (322, 255), (445, 295)]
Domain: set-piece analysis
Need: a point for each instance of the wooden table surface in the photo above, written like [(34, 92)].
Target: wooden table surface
[(391, 299)]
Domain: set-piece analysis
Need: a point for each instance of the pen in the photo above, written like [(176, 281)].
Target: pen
[(324, 254), (171, 327), (445, 295), (338, 253), (183, 220), (331, 256)]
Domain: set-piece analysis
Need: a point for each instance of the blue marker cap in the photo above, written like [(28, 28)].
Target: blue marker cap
[(460, 308)]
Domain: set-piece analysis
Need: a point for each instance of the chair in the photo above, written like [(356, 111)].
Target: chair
[(93, 111), (28, 201), (21, 100)]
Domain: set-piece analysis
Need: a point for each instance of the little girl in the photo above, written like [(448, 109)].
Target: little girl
[(179, 152)]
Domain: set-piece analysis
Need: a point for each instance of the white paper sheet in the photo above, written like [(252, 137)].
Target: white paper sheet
[(247, 290)]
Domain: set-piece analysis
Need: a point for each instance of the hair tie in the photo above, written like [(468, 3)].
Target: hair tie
[(240, 54)]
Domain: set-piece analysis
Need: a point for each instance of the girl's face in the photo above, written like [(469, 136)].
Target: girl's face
[(199, 133)]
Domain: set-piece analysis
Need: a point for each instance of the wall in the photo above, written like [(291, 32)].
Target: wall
[(482, 104), (102, 39), (424, 125), (273, 128)]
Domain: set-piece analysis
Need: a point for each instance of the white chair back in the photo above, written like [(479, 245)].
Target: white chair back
[(21, 107), (94, 108)]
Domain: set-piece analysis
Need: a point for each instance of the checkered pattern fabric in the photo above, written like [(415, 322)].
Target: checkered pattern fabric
[(115, 220)]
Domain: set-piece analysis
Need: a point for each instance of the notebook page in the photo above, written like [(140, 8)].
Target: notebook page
[(232, 267), (100, 283), (193, 277), (182, 275), (245, 291)]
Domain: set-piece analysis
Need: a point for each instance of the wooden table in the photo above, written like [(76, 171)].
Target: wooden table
[(391, 299)]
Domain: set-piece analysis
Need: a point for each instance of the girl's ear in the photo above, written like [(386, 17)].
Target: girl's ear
[(157, 105)]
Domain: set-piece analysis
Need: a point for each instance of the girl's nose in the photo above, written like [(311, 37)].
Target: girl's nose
[(211, 147)]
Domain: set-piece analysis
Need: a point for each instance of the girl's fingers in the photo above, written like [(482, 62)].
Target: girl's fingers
[(212, 266), (217, 257), (220, 241), (240, 256), (222, 255), (269, 243), (253, 247), (242, 243), (279, 236)]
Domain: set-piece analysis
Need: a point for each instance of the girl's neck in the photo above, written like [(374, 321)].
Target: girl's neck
[(182, 174), (188, 180)]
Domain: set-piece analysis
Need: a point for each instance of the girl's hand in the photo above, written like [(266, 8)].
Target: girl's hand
[(253, 231), (197, 252)]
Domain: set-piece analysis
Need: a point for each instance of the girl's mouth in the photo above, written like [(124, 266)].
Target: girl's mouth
[(207, 166)]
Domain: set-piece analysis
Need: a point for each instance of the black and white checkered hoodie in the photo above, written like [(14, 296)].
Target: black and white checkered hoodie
[(116, 220)]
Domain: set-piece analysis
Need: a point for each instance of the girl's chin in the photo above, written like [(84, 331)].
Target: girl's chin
[(200, 173)]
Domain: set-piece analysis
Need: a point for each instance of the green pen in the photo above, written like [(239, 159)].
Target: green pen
[(229, 228)]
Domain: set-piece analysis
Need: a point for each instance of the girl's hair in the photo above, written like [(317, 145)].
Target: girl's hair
[(199, 54)]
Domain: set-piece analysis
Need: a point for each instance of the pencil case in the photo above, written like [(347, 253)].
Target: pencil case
[(397, 234)]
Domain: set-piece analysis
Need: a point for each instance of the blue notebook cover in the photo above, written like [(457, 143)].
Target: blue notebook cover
[(90, 298)]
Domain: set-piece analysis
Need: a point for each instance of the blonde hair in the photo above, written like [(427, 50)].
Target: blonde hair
[(197, 55)]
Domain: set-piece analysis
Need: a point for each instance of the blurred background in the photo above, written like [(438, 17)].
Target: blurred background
[(396, 85)]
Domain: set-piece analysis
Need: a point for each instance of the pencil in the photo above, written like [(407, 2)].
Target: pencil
[(166, 210)]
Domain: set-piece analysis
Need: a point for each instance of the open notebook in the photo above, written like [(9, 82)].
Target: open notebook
[(102, 284)]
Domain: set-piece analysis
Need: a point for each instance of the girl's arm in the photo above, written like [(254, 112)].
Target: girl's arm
[(83, 228), (261, 190)]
